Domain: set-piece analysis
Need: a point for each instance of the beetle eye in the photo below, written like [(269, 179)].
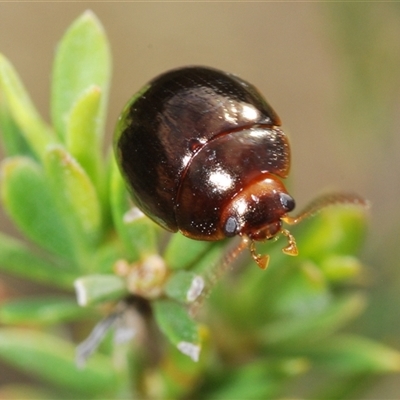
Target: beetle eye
[(231, 226), (287, 201)]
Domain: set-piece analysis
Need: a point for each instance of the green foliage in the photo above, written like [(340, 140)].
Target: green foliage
[(52, 359), (261, 330)]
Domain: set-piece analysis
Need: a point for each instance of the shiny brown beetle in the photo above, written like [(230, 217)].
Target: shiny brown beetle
[(202, 153)]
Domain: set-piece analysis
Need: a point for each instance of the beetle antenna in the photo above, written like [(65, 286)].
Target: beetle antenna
[(325, 201), (216, 272)]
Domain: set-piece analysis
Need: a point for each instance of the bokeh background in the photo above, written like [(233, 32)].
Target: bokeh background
[(330, 70)]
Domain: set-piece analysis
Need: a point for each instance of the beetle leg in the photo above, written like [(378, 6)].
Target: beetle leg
[(261, 260), (291, 248), (215, 273)]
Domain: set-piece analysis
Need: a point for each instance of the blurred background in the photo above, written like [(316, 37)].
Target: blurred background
[(330, 70)]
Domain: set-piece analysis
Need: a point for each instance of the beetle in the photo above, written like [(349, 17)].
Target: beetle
[(203, 153)]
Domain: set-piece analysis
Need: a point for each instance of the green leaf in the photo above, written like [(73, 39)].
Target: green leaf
[(304, 292), (138, 232), (182, 252), (11, 135), (294, 331), (107, 254), (173, 319), (16, 259), (93, 289), (53, 360), (245, 386), (76, 198), (353, 354), (336, 230), (255, 380), (82, 133), (209, 264), (338, 268), (82, 60), (30, 124), (41, 310), (27, 199), (347, 387), (180, 365), (211, 268), (184, 286)]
